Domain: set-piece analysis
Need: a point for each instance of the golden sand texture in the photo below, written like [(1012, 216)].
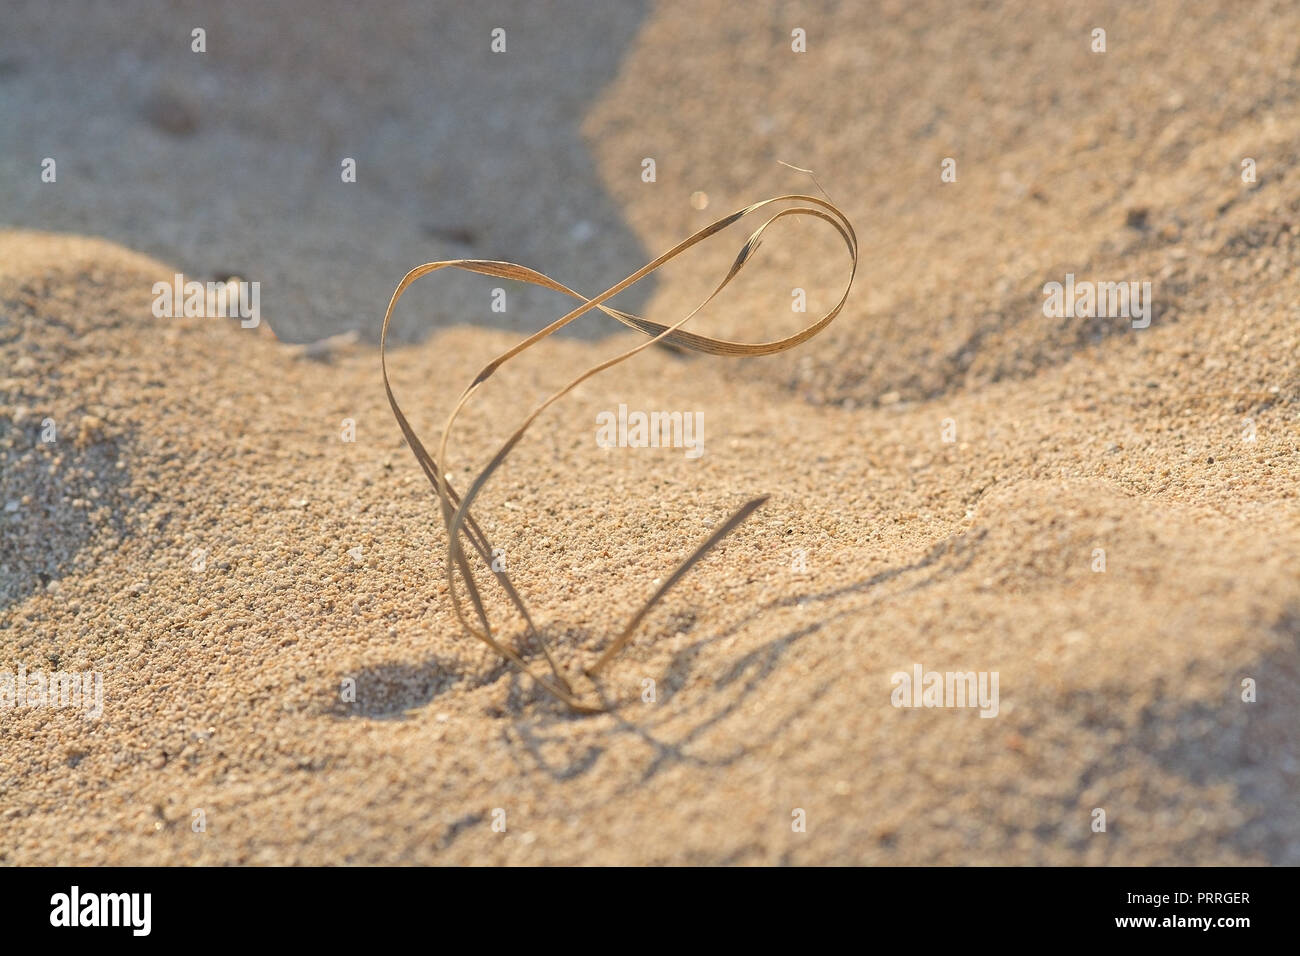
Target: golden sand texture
[(201, 534)]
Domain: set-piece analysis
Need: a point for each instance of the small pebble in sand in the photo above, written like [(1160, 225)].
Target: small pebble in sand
[(172, 114)]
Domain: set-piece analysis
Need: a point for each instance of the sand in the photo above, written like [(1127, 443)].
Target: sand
[(201, 535)]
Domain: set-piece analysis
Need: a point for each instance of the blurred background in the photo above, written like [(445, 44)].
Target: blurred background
[(228, 162)]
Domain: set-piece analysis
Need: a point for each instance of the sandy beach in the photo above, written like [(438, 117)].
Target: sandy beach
[(223, 521)]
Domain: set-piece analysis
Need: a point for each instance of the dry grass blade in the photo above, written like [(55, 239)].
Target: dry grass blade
[(456, 508)]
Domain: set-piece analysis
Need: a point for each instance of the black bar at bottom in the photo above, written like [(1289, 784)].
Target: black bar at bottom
[(334, 906)]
